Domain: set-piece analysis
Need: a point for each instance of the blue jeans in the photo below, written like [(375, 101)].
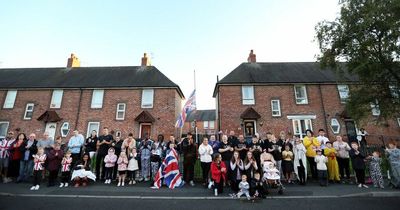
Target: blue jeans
[(25, 170)]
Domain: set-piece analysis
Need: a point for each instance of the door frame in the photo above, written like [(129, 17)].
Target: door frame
[(55, 129), (140, 129)]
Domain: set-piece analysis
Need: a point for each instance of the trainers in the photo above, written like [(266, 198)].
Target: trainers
[(365, 186), (37, 187), (62, 184), (106, 182), (33, 188), (123, 184), (119, 184), (133, 182), (192, 183), (210, 184), (66, 184), (215, 192), (360, 185)]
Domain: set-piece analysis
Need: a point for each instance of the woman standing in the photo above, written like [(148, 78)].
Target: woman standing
[(218, 174), (205, 152), (155, 158), (311, 144), (343, 158), (236, 166), (16, 155), (250, 165), (394, 159), (300, 161), (91, 146)]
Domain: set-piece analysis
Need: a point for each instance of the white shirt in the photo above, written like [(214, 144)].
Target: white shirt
[(322, 140), (321, 162), (205, 153)]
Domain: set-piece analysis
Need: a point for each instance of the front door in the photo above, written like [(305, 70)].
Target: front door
[(145, 129), (249, 130), (351, 130), (51, 129)]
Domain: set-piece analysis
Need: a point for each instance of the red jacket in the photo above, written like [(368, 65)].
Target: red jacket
[(216, 172)]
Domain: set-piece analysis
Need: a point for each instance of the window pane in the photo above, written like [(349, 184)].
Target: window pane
[(121, 107), (65, 129), (248, 94), (343, 92), (211, 125), (56, 99), (205, 124), (97, 99), (147, 98), (120, 115), (10, 99), (335, 125), (3, 129)]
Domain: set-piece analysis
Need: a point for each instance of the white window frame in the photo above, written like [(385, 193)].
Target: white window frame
[(303, 100), (211, 124), (375, 109), (64, 126), (398, 121), (343, 91), (248, 99), (147, 103), (296, 120), (89, 131), (56, 99), (97, 103), (120, 111), (277, 111), (30, 110), (6, 130), (10, 99), (206, 124), (335, 122)]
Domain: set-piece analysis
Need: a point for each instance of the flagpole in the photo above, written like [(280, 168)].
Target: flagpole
[(194, 83)]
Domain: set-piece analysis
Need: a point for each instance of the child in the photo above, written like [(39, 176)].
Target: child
[(66, 169), (333, 167), (357, 160), (109, 161), (133, 166), (321, 161), (287, 163), (257, 189), (122, 165), (38, 167), (271, 173), (375, 169), (54, 161), (244, 188)]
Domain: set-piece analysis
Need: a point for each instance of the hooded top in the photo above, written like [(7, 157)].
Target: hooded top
[(111, 158)]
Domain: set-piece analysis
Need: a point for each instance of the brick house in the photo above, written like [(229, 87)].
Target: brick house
[(259, 97), (203, 119), (137, 99)]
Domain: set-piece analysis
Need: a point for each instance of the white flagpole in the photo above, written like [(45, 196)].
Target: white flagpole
[(195, 124)]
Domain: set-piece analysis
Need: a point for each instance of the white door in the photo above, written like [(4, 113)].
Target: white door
[(51, 129)]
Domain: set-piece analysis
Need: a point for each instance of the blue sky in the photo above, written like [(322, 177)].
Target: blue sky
[(209, 36)]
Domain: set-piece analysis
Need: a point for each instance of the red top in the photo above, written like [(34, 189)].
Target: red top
[(15, 151), (216, 172)]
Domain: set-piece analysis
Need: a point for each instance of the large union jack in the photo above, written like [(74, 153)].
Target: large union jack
[(169, 171), (189, 106)]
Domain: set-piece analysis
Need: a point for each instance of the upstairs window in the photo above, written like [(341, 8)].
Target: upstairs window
[(29, 111), (248, 95), (300, 94), (147, 98), (10, 99), (97, 99), (343, 93), (120, 111), (56, 99), (276, 108)]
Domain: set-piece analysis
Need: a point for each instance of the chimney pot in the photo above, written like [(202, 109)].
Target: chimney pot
[(145, 60), (252, 57), (73, 61)]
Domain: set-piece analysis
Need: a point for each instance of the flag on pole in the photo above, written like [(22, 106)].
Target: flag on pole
[(169, 171), (189, 106)]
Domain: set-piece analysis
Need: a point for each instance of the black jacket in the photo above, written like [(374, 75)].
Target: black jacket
[(357, 160), (32, 149)]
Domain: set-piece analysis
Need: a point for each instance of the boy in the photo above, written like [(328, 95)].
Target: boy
[(321, 161)]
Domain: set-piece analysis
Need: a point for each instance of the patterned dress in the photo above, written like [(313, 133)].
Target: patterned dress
[(394, 159), (375, 171)]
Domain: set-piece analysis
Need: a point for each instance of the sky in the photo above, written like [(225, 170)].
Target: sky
[(210, 37)]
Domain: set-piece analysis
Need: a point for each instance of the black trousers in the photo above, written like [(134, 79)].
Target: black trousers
[(75, 157), (344, 167), (100, 162), (302, 172), (53, 177), (313, 167), (205, 168), (37, 177), (188, 170), (109, 172), (219, 186), (360, 174), (323, 175), (65, 176)]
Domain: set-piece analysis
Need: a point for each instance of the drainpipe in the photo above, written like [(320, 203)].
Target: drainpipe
[(79, 109), (323, 111)]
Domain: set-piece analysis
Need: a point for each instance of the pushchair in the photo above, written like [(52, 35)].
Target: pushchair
[(272, 177)]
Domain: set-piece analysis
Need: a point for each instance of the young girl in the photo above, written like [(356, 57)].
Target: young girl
[(218, 174), (205, 152), (250, 165), (38, 167), (375, 169), (237, 166), (333, 167), (357, 160), (322, 170), (287, 163), (122, 166), (133, 166), (66, 169), (244, 187), (109, 161)]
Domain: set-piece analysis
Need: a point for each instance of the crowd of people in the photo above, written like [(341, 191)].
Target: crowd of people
[(248, 167)]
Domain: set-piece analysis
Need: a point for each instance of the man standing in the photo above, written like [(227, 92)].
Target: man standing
[(103, 143), (28, 149), (322, 139), (75, 144), (5, 146), (232, 139), (241, 147), (47, 143), (189, 149)]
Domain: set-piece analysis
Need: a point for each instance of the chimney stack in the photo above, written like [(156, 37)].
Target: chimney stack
[(146, 60), (73, 61), (252, 57)]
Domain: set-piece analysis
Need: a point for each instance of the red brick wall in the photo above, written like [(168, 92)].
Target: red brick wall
[(165, 110), (230, 106)]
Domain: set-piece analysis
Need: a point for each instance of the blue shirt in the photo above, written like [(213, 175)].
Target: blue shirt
[(75, 143)]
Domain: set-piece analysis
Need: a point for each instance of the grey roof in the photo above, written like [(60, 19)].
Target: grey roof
[(284, 73), (202, 115), (85, 77)]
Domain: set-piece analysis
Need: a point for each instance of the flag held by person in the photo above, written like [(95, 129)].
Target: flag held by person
[(169, 171)]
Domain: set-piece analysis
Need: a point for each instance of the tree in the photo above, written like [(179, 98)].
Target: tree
[(364, 41)]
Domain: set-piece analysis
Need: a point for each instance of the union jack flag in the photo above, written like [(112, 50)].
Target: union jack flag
[(169, 171), (189, 106)]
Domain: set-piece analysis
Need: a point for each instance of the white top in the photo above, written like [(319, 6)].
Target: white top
[(321, 162), (205, 153), (342, 148), (322, 140)]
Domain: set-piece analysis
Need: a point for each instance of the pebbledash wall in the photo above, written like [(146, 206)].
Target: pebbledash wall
[(76, 104), (276, 81)]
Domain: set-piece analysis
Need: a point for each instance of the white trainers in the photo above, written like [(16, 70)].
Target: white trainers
[(106, 182), (133, 182), (66, 184), (216, 192), (33, 188), (62, 184), (192, 183), (119, 184), (360, 185), (210, 184), (365, 186), (123, 184), (37, 187)]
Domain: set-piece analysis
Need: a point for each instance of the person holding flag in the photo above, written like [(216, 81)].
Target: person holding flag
[(169, 171)]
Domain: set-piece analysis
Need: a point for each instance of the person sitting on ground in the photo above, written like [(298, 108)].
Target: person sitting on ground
[(257, 187), (82, 172), (244, 187)]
